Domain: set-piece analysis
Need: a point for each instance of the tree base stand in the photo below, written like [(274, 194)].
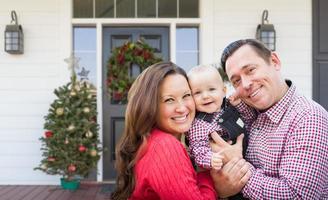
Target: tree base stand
[(69, 185)]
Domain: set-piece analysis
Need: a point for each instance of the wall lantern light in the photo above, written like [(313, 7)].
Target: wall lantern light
[(265, 32), (14, 37)]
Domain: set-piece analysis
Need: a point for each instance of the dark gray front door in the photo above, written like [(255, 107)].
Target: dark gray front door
[(320, 52), (113, 114)]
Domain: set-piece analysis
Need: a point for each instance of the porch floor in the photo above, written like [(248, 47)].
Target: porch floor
[(53, 192)]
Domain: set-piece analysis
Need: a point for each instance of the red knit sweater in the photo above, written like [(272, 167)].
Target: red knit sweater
[(165, 172)]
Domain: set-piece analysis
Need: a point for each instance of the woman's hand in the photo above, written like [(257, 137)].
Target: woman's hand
[(231, 178), (225, 149)]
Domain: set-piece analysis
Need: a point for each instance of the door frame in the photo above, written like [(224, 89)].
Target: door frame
[(206, 45), (319, 56)]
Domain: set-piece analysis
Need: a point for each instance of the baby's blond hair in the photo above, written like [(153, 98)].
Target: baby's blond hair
[(202, 68)]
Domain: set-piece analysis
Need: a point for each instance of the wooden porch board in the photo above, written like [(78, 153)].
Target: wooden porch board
[(52, 192)]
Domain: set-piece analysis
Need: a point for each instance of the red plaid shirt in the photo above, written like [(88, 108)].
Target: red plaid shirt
[(199, 139), (288, 150)]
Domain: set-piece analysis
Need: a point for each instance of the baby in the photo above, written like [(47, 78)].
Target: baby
[(208, 92)]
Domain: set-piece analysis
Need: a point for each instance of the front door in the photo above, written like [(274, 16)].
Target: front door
[(113, 114), (320, 52)]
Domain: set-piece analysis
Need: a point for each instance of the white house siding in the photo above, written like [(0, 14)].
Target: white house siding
[(236, 19), (27, 82)]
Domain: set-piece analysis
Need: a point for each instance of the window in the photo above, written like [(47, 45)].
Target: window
[(146, 9), (104, 8), (187, 49), (135, 8), (84, 47)]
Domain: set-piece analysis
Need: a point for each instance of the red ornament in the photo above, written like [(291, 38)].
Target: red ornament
[(51, 159), (71, 168), (48, 134), (82, 148)]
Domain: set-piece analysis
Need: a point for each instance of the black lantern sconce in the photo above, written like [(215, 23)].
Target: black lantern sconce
[(265, 32), (14, 37)]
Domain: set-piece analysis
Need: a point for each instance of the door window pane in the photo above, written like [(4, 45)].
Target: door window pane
[(188, 8), (146, 8), (167, 8), (187, 49), (84, 47), (187, 60), (104, 8), (83, 8), (125, 8)]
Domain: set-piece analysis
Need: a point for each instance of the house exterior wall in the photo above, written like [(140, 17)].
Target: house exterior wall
[(27, 81), (237, 19)]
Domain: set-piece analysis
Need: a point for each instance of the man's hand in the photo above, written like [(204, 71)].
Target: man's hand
[(231, 178), (225, 149)]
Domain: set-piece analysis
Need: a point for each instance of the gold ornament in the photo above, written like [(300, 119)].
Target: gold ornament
[(60, 111), (72, 93), (77, 87), (89, 96), (93, 153), (89, 134), (86, 109), (71, 127), (44, 166)]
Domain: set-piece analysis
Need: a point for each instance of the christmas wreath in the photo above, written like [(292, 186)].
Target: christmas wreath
[(119, 67)]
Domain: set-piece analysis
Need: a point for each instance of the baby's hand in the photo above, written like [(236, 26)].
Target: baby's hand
[(216, 161), (234, 99)]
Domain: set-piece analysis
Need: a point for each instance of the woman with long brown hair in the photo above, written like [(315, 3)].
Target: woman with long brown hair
[(151, 162)]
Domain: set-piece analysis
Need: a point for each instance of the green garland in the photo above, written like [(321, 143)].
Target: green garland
[(118, 67)]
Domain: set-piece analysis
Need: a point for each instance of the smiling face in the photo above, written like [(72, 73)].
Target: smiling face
[(207, 89), (176, 108), (257, 82)]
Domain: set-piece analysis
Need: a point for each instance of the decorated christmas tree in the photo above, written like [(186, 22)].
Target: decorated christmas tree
[(70, 144)]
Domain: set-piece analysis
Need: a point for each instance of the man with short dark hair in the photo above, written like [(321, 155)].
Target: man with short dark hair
[(288, 141)]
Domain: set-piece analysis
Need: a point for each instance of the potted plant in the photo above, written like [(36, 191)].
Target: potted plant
[(70, 145), (119, 67)]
